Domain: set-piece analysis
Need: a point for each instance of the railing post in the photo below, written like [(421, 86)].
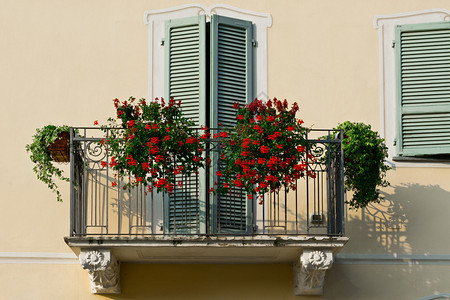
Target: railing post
[(72, 178), (331, 168), (340, 190)]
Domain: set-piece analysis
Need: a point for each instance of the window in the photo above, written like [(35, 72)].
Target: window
[(209, 61), (405, 99), (217, 57), (423, 88)]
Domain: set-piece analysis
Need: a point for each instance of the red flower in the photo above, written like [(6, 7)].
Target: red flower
[(104, 163), (245, 153), (240, 117), (113, 163), (196, 158), (290, 128), (261, 160), (270, 118), (191, 140), (131, 123), (224, 134), (265, 149), (167, 137), (113, 183), (300, 122), (311, 174), (148, 126), (154, 140), (138, 179), (95, 122), (300, 149), (259, 118), (219, 173), (236, 105), (154, 150), (279, 146)]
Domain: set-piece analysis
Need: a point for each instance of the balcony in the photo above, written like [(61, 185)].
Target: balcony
[(110, 224)]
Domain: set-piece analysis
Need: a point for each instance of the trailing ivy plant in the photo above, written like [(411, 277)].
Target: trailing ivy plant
[(40, 155), (364, 156)]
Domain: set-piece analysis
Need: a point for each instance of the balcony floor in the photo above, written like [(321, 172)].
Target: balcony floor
[(217, 249)]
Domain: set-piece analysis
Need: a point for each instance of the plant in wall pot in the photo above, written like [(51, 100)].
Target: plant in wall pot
[(364, 163), (50, 144)]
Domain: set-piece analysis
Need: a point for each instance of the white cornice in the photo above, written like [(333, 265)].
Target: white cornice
[(37, 258), (392, 259), (207, 11), (379, 18)]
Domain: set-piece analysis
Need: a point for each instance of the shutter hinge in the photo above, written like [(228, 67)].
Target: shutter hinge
[(162, 42), (254, 43), (395, 142), (255, 227), (393, 44)]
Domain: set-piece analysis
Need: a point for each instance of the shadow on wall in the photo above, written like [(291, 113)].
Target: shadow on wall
[(411, 219)]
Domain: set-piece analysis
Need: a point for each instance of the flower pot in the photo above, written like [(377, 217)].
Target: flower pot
[(60, 148)]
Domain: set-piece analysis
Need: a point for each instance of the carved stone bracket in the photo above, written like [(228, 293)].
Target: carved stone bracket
[(309, 271), (103, 269)]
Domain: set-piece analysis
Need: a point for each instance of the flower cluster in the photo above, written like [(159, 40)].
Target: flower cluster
[(266, 150), (152, 143)]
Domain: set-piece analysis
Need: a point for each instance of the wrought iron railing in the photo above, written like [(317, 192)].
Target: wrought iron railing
[(316, 207)]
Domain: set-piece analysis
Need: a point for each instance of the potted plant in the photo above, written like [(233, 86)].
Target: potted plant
[(265, 151), (152, 144), (50, 144), (364, 163)]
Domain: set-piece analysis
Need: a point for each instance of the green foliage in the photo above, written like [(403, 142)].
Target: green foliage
[(40, 155), (364, 156)]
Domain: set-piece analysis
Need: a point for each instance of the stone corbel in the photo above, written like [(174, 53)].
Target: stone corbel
[(103, 269), (309, 271)]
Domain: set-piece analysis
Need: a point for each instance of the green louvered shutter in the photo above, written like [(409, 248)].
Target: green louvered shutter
[(231, 81), (423, 92), (185, 54)]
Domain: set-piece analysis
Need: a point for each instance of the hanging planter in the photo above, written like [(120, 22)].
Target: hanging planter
[(60, 149), (50, 144)]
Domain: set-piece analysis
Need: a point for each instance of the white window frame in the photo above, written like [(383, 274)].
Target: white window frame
[(155, 19), (387, 76)]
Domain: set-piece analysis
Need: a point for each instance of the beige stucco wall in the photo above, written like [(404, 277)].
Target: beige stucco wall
[(63, 62)]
